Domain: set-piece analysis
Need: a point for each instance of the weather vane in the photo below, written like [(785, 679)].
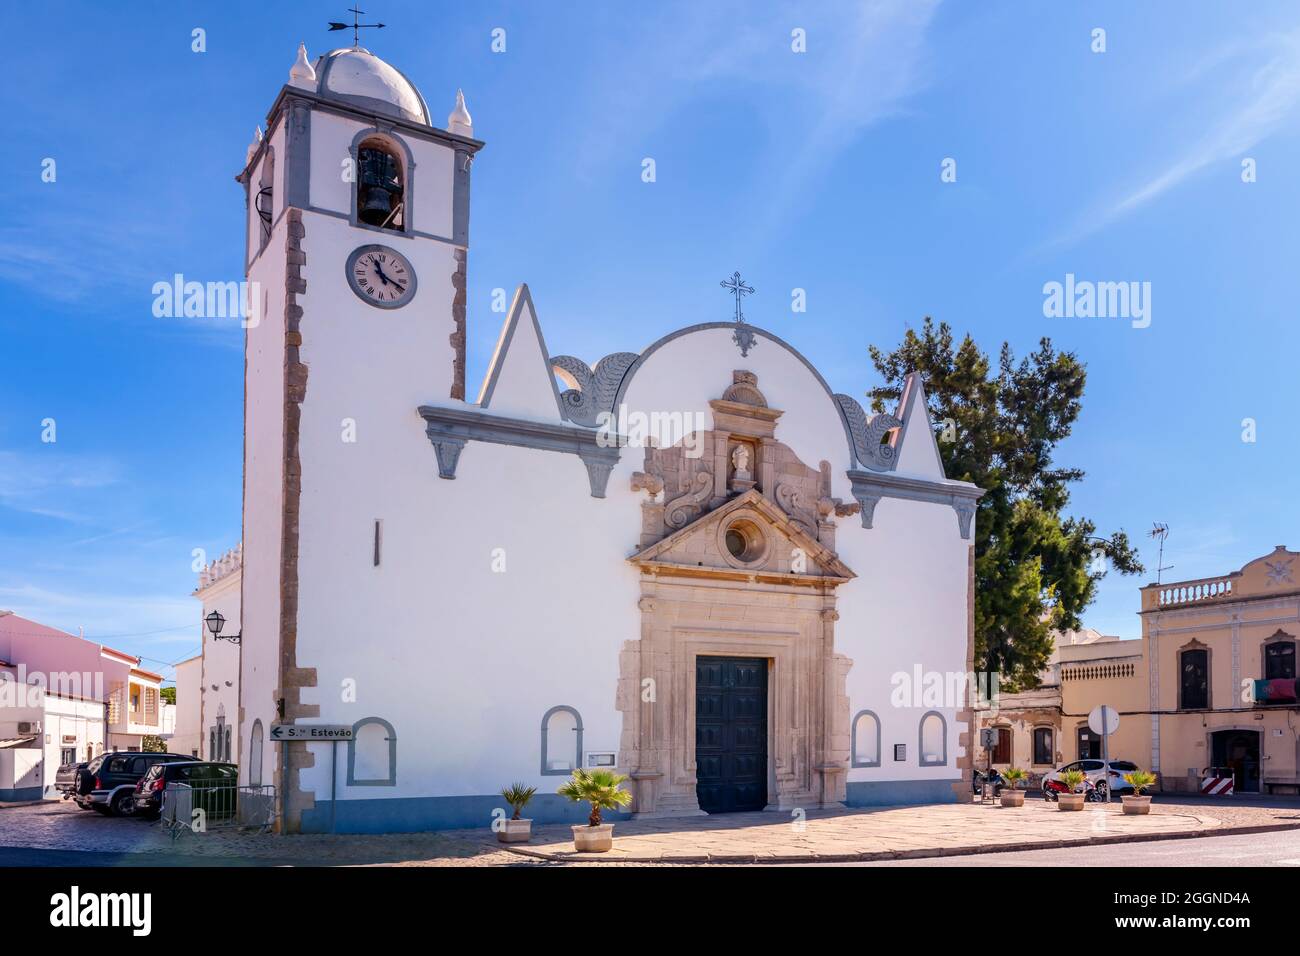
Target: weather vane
[(356, 25), (742, 337)]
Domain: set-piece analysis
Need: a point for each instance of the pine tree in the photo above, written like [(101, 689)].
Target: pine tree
[(1036, 570)]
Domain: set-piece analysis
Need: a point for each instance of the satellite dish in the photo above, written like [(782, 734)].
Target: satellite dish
[(1103, 719)]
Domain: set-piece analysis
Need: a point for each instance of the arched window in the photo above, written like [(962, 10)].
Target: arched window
[(382, 195), (264, 201), (866, 739), (1002, 745), (561, 741), (1043, 751), (229, 751), (255, 755), (933, 740), (1194, 677), (372, 754), (1279, 657)]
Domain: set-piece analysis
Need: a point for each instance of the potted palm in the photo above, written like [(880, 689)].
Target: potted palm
[(516, 830), (1137, 802), (1073, 798), (1012, 795), (601, 789)]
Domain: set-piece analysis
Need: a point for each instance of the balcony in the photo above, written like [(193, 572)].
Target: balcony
[(1165, 597)]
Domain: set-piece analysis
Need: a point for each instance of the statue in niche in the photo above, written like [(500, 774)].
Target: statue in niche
[(742, 479), (740, 462)]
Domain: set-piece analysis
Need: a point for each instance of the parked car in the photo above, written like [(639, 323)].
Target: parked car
[(215, 787), (107, 783), (65, 780), (1095, 771)]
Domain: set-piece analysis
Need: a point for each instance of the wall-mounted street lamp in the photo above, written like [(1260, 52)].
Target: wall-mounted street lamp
[(215, 623)]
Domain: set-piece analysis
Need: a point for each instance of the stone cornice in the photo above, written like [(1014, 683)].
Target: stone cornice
[(449, 429), (870, 486)]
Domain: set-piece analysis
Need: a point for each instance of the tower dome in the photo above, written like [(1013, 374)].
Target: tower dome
[(357, 76)]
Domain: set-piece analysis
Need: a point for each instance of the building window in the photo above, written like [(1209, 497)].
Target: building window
[(255, 755), (1194, 679), (1089, 744), (1043, 746), (1279, 660), (933, 738), (229, 749), (866, 739), (68, 756), (381, 189), (561, 741), (372, 754), (1002, 745)]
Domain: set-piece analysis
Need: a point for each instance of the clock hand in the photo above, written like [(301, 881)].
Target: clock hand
[(380, 270)]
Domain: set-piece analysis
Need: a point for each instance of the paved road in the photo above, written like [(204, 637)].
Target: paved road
[(1253, 849)]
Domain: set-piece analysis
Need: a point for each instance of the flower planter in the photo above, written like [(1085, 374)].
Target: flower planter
[(1136, 806), (1070, 801), (598, 839), (515, 831), (1013, 798)]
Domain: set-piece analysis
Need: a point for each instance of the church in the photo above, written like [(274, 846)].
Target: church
[(695, 562)]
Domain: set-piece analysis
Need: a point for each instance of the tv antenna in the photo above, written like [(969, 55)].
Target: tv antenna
[(356, 25), (1160, 531)]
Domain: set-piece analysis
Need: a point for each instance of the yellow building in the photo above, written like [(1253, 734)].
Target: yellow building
[(1038, 730), (1221, 683)]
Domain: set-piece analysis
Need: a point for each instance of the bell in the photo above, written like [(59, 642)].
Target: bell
[(379, 182), (375, 207)]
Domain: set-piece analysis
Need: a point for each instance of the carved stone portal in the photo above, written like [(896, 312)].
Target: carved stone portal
[(747, 574)]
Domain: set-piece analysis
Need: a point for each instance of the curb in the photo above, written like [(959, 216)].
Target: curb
[(874, 856)]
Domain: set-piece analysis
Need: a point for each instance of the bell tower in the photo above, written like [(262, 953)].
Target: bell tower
[(356, 250)]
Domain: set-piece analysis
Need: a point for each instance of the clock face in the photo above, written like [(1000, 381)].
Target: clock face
[(381, 276)]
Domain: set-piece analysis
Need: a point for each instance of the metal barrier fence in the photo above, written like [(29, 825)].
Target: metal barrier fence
[(218, 805)]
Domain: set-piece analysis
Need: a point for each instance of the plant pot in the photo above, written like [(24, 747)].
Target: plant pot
[(515, 831), (1135, 805), (593, 839), (1013, 798), (1070, 801)]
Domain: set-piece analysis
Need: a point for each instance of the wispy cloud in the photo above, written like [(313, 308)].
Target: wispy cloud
[(863, 61), (1260, 93), (45, 483)]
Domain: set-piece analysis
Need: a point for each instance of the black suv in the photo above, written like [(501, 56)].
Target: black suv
[(107, 783)]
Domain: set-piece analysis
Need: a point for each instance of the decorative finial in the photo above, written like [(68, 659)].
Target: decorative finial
[(255, 145), (302, 74), (459, 120), (356, 25), (742, 337)]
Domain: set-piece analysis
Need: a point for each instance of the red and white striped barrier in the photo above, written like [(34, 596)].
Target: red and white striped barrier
[(1216, 786)]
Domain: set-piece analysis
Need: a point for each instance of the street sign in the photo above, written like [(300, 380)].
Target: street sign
[(311, 732), (1103, 719)]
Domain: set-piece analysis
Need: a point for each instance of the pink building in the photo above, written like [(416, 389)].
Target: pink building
[(64, 699)]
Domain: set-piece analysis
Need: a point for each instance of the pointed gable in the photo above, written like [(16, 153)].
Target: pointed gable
[(916, 450), (519, 381)]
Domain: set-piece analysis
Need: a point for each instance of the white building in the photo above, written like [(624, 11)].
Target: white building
[(489, 588), (207, 684)]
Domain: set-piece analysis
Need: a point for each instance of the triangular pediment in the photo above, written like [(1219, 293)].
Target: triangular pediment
[(777, 548)]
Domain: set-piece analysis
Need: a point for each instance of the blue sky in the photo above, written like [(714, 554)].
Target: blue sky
[(818, 171)]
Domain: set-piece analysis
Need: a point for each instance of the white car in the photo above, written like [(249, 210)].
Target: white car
[(1095, 771)]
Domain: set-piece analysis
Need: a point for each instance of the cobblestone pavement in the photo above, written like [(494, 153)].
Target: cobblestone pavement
[(826, 835)]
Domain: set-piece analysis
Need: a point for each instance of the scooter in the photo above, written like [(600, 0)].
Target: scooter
[(1052, 789)]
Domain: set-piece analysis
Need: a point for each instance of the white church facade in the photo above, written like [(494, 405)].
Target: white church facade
[(696, 562)]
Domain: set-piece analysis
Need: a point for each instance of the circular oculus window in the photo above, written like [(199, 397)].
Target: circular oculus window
[(744, 543)]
